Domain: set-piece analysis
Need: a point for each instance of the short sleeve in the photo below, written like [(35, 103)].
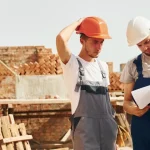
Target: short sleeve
[(128, 74)]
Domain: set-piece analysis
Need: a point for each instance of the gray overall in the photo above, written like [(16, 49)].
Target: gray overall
[(93, 125)]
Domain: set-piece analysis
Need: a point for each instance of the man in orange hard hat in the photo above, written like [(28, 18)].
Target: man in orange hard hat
[(86, 77), (135, 76)]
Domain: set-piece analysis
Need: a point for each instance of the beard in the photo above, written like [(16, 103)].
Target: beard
[(147, 52), (93, 55)]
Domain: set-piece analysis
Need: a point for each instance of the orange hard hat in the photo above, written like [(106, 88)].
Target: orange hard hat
[(93, 27)]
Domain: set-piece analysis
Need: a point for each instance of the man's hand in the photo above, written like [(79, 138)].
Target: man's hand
[(79, 22), (129, 106), (139, 112)]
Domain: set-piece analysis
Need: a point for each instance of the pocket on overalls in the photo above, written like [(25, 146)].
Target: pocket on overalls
[(71, 120), (74, 123)]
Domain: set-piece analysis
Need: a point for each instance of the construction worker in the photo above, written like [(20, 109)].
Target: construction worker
[(86, 78), (135, 75)]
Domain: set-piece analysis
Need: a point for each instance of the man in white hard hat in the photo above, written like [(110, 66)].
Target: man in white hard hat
[(136, 75)]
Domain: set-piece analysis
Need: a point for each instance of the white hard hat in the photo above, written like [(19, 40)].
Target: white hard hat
[(137, 30)]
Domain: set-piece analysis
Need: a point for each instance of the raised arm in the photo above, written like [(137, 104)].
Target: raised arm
[(62, 39)]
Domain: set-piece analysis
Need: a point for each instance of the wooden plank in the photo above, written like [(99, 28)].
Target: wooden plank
[(11, 117), (120, 120), (15, 133), (127, 127), (46, 101), (5, 120), (3, 146), (18, 138), (1, 136), (9, 70), (125, 122), (23, 132), (33, 101), (6, 131), (66, 136)]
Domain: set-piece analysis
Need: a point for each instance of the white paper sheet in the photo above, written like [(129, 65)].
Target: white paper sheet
[(142, 96)]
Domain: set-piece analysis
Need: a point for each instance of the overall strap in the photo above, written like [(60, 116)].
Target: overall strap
[(81, 76), (102, 72), (138, 63)]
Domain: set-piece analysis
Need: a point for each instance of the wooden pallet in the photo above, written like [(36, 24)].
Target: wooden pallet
[(124, 134), (13, 136)]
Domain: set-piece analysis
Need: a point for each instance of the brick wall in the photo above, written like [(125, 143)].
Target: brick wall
[(44, 128), (20, 54), (7, 87), (17, 55)]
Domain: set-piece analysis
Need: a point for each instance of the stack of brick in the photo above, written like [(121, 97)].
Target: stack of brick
[(114, 77), (115, 84), (7, 82), (47, 64)]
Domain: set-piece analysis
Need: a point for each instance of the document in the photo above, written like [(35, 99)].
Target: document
[(142, 96)]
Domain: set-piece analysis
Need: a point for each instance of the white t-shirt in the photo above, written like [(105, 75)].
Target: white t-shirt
[(71, 71)]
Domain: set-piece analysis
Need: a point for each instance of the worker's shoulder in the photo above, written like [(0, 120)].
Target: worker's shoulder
[(131, 61), (73, 58)]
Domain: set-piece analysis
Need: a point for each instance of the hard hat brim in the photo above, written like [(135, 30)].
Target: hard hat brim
[(104, 36), (138, 41), (101, 37), (131, 44)]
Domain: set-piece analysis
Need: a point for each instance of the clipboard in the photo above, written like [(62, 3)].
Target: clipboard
[(142, 96)]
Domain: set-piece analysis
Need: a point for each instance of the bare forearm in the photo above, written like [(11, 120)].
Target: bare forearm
[(62, 39), (61, 42), (128, 106), (67, 31), (133, 109)]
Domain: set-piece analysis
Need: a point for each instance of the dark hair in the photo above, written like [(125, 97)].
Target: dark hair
[(83, 36)]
